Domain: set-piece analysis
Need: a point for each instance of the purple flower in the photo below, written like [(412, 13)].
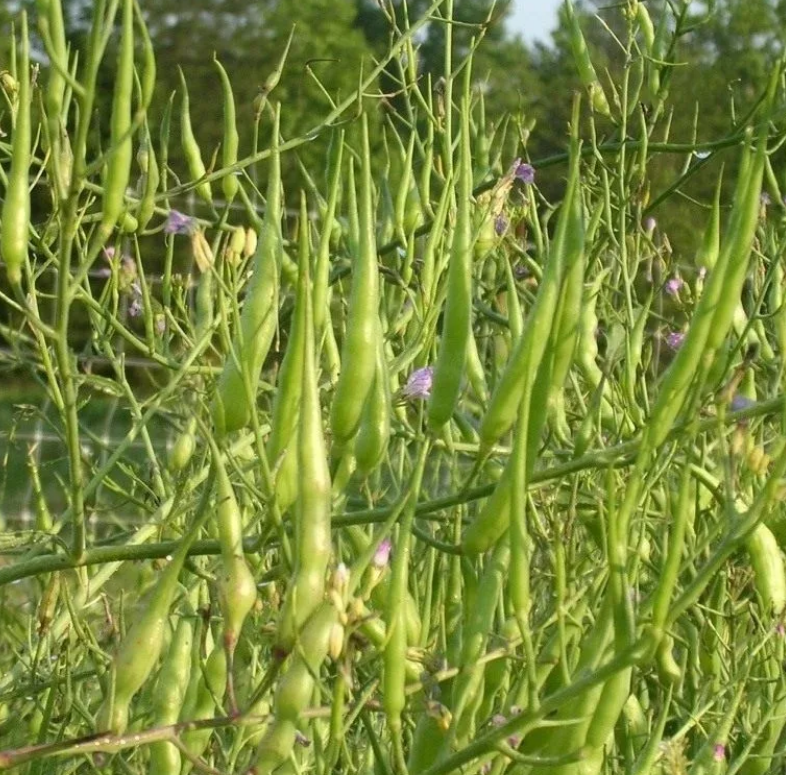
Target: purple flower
[(382, 555), (500, 225), (419, 383), (675, 339), (178, 223), (719, 752), (524, 172), (649, 224), (135, 308), (740, 402), (674, 285), (780, 629)]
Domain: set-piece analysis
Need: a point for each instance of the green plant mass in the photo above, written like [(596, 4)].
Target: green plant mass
[(383, 394)]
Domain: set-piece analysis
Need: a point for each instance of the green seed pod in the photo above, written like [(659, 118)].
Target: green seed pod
[(769, 574), (457, 321), (295, 689), (374, 432), (191, 152), (16, 207), (210, 690), (491, 522), (313, 506), (117, 171), (229, 183), (237, 587), (358, 354), (668, 669), (581, 57), (232, 406), (286, 402), (173, 680), (152, 181)]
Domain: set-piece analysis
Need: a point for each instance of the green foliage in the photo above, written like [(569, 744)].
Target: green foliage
[(489, 479)]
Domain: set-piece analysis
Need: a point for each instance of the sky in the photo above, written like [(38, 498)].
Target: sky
[(534, 19)]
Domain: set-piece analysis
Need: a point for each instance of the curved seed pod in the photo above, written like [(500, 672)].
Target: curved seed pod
[(516, 382), (191, 152), (16, 207), (312, 509), (138, 653), (173, 680), (117, 172), (492, 520), (237, 587), (358, 354), (468, 684), (374, 432), (457, 322), (183, 448), (209, 691), (614, 696), (668, 670), (286, 403), (229, 183), (768, 570), (714, 313), (394, 656), (233, 404), (581, 57), (295, 689), (147, 204)]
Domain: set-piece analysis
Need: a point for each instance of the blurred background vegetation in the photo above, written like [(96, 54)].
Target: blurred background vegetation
[(720, 60)]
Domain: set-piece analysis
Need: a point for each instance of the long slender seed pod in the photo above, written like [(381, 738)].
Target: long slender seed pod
[(374, 432), (312, 509), (394, 656), (519, 375), (173, 680), (581, 57), (322, 268), (233, 403), (138, 653), (16, 207), (295, 689), (358, 353), (193, 156), (209, 691), (152, 181), (117, 172), (229, 146), (236, 584), (467, 686), (286, 402), (457, 323)]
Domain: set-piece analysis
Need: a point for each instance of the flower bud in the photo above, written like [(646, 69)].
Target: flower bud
[(251, 243), (203, 255), (336, 641)]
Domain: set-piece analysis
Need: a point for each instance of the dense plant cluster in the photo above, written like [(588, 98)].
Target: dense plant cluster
[(426, 473)]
